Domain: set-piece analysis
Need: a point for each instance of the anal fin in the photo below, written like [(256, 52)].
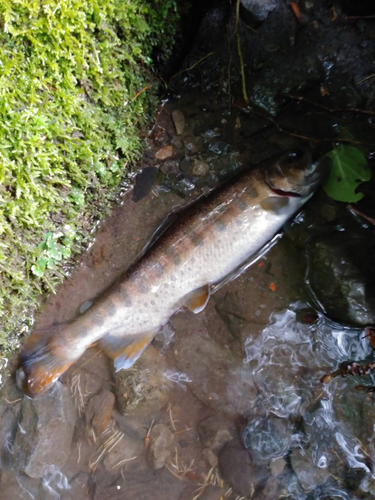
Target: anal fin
[(197, 300), (125, 350)]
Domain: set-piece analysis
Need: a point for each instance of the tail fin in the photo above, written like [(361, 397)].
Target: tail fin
[(41, 362)]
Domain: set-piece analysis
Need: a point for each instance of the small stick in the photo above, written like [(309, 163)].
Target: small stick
[(349, 368), (330, 110), (142, 90), (242, 67), (123, 461), (12, 402), (361, 214), (365, 79)]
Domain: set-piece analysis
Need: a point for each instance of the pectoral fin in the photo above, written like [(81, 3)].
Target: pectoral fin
[(197, 300), (125, 350)]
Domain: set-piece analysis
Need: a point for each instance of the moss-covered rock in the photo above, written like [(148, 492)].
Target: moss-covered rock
[(71, 109)]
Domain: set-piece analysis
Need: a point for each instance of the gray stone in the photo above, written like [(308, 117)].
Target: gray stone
[(164, 153), (277, 466), (128, 454), (99, 411), (178, 120), (161, 446), (200, 168), (309, 476), (259, 8), (239, 472), (210, 458), (215, 432), (341, 273), (45, 432)]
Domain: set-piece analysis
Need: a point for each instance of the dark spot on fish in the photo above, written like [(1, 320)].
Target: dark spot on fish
[(111, 308), (252, 191), (97, 319), (166, 285), (171, 252), (152, 302), (197, 240), (220, 225), (241, 204), (275, 204), (238, 222), (173, 278), (158, 269), (192, 260), (125, 297), (143, 286)]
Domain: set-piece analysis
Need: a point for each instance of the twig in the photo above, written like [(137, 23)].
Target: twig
[(197, 62), (305, 137), (123, 461), (359, 212), (330, 110), (365, 79), (237, 34), (360, 17), (142, 90), (12, 402)]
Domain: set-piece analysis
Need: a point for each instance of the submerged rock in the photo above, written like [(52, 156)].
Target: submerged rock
[(341, 276), (309, 475), (141, 389), (178, 120), (45, 432), (215, 432), (239, 472), (99, 411), (161, 447), (259, 8)]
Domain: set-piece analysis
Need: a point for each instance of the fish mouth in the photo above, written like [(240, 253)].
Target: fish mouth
[(296, 175)]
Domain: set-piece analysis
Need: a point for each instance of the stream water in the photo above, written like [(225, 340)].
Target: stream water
[(227, 404)]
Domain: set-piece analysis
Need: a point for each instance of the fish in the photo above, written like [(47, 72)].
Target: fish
[(207, 243)]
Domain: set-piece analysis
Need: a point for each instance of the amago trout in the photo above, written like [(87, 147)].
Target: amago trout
[(208, 242)]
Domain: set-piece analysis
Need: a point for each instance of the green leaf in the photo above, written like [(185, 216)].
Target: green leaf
[(37, 271), (348, 169)]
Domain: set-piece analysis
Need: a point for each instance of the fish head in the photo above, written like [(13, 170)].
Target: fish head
[(295, 174)]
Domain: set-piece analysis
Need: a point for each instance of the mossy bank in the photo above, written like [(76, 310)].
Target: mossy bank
[(71, 115)]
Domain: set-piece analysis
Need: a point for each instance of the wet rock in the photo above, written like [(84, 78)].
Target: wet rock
[(45, 432), (272, 488), (213, 369), (238, 471), (277, 466), (212, 493), (169, 167), (341, 274), (185, 165), (99, 411), (144, 182), (218, 147), (191, 144), (177, 142), (269, 438), (127, 453), (259, 8), (161, 445), (210, 458), (141, 389), (200, 168), (178, 120), (215, 432), (164, 153), (308, 474)]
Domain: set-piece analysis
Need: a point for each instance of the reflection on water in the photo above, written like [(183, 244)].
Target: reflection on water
[(297, 417)]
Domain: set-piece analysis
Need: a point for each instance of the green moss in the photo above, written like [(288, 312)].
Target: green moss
[(70, 120)]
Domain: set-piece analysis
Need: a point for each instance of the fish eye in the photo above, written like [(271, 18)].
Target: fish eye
[(296, 154)]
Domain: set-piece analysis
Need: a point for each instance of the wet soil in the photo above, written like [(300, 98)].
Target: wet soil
[(227, 403)]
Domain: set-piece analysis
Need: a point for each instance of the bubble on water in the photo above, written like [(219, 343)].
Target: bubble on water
[(292, 408), (54, 479), (178, 378)]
